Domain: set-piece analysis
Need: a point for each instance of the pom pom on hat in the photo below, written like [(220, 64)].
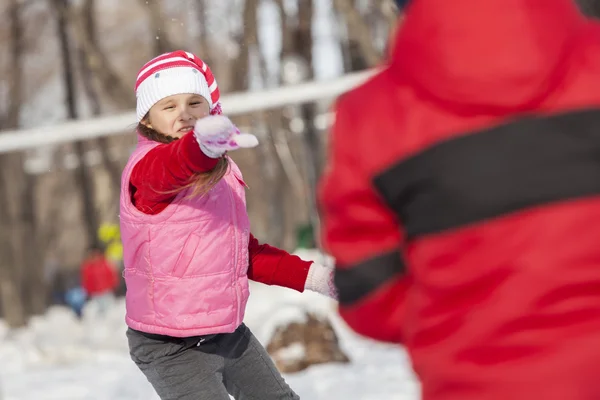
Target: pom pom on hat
[(173, 73)]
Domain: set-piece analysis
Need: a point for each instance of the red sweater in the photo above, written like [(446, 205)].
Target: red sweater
[(169, 166), (98, 276)]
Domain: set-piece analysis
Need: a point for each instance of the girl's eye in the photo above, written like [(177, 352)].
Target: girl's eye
[(169, 107), (195, 103)]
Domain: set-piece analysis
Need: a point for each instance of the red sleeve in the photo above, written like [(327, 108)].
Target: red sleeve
[(165, 168), (273, 266), (362, 234)]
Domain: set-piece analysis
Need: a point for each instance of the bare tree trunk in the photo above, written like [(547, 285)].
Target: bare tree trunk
[(304, 45), (358, 31), (11, 170), (33, 288), (297, 41), (271, 168), (89, 21), (312, 145), (204, 48), (277, 122), (83, 176), (353, 57), (11, 271), (286, 180), (160, 36), (16, 80), (389, 13), (97, 63), (249, 41), (59, 184), (270, 224), (287, 33)]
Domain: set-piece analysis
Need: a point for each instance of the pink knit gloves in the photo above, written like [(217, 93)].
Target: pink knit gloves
[(216, 134), (320, 280)]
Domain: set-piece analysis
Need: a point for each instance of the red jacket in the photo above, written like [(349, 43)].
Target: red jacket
[(462, 200), (98, 276), (170, 166)]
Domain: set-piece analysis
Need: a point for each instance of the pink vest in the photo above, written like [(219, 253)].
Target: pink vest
[(186, 267)]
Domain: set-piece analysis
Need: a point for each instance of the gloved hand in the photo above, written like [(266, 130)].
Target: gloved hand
[(320, 280), (216, 134)]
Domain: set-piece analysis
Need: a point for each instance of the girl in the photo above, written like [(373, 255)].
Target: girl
[(188, 250)]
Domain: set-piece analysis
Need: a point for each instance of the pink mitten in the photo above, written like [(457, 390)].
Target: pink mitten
[(320, 280), (216, 135)]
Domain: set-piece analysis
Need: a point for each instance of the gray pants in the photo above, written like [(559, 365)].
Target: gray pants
[(208, 367)]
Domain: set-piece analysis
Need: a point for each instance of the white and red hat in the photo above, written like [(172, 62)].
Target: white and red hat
[(175, 73)]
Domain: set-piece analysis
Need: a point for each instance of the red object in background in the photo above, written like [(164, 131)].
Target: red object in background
[(98, 275)]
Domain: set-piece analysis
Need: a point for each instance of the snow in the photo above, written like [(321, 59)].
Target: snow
[(57, 357), (294, 352)]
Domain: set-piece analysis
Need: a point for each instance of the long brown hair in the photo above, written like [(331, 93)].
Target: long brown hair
[(200, 183)]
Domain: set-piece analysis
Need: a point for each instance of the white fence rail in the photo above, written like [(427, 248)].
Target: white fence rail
[(233, 104)]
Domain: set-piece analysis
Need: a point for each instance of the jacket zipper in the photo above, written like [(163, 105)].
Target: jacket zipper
[(236, 250)]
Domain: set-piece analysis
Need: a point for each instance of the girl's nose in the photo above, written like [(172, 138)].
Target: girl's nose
[(185, 115)]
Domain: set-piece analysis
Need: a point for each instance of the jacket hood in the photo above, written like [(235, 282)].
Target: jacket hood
[(486, 54)]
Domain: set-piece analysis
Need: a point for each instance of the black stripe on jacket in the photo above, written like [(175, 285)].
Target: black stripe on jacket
[(469, 179), (359, 280)]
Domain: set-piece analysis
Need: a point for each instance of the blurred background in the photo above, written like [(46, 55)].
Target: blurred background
[(64, 60), (67, 73)]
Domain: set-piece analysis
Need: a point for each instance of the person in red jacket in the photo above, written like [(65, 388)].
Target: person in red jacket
[(99, 279), (462, 197)]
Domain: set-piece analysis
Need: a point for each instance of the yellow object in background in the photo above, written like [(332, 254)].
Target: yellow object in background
[(109, 232), (110, 235), (114, 251)]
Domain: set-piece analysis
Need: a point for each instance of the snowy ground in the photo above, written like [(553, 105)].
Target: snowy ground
[(58, 358)]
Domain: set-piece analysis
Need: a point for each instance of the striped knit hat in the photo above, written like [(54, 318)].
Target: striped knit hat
[(175, 73)]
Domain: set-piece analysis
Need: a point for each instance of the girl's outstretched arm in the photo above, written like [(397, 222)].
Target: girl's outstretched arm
[(273, 266)]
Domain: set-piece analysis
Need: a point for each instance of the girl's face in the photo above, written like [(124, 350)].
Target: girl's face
[(176, 115)]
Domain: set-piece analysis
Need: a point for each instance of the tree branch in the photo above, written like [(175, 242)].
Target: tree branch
[(358, 31)]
